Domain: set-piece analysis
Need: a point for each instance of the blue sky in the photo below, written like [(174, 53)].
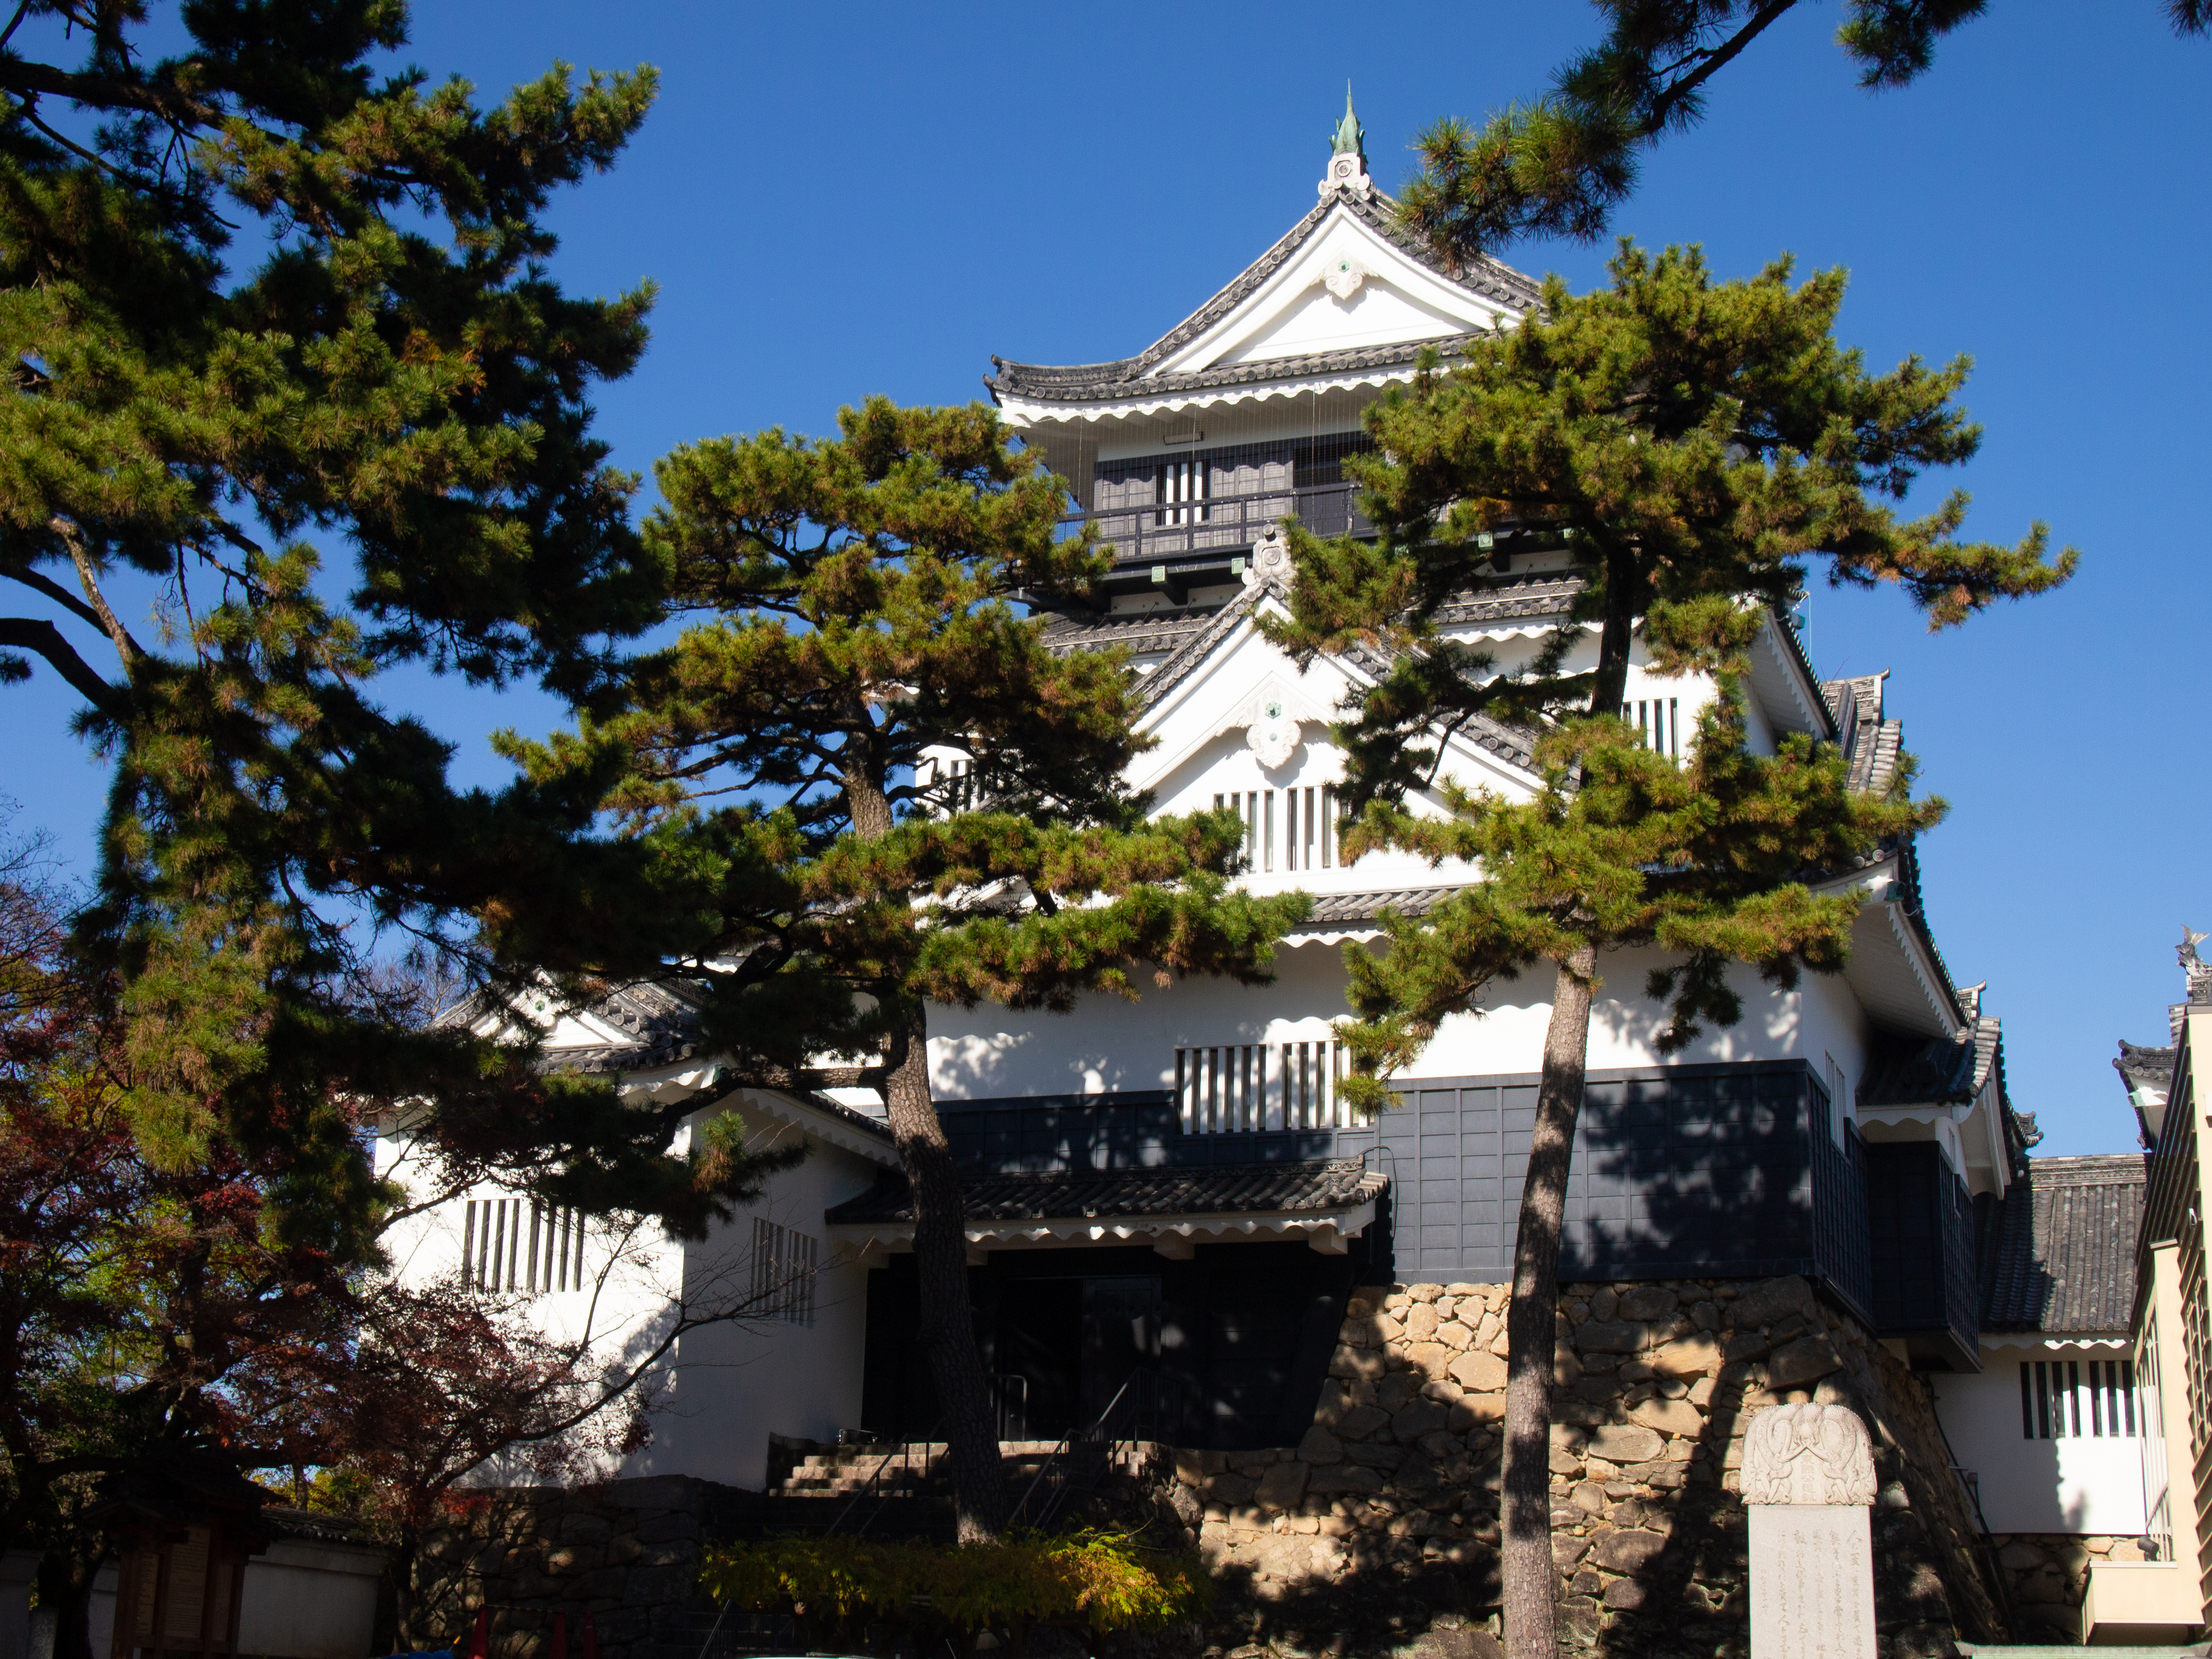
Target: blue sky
[(841, 199)]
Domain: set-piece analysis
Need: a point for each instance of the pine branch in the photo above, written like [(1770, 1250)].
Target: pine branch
[(27, 633)]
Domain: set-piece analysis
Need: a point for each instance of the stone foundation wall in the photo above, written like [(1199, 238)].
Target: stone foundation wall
[(1388, 1510), (1377, 1534), (2047, 1574), (627, 1554)]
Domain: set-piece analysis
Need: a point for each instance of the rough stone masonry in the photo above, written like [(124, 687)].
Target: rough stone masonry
[(1396, 1482)]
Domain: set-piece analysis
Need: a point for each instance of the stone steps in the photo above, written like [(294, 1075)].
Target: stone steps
[(846, 1471)]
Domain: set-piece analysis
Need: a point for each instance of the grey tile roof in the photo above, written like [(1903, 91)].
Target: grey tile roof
[(2061, 1257), (1532, 594), (1905, 1071), (660, 1018), (1871, 743), (1089, 382), (1141, 631), (1503, 599), (1331, 909), (1124, 379), (321, 1527), (1229, 1189), (2144, 1068)]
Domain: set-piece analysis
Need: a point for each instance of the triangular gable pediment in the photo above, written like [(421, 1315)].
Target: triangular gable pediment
[(1223, 678), (1297, 305), (1345, 286)]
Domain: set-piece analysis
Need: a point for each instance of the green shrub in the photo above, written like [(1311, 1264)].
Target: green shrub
[(1104, 1580)]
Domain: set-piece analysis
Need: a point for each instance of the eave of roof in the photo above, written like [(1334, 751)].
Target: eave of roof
[(1902, 1070), (1324, 1200), (1218, 1190)]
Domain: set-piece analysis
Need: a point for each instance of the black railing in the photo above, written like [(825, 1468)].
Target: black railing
[(1085, 1457), (1922, 1247), (1839, 1210), (1142, 534), (915, 1461)]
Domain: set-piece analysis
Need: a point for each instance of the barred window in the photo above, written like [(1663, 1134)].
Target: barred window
[(1659, 721), (521, 1245), (783, 1273), (1311, 816), (2073, 1398), (1250, 1087)]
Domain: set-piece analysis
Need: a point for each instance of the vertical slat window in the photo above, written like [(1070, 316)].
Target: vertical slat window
[(784, 1262), (1182, 486), (1257, 807), (1658, 723), (2052, 1406), (521, 1245), (955, 782), (1251, 1087), (1309, 828)]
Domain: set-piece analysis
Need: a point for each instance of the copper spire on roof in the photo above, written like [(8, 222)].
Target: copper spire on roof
[(1349, 137)]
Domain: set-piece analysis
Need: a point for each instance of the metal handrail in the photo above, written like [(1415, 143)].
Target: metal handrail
[(1058, 1452), (906, 1466)]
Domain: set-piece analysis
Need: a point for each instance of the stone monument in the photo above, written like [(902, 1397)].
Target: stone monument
[(1808, 1480)]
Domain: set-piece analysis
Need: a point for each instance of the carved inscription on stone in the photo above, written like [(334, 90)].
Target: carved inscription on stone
[(1807, 1454), (1812, 1581)]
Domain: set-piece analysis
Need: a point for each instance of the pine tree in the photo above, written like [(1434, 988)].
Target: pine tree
[(1560, 164), (258, 302), (1693, 446), (890, 794)]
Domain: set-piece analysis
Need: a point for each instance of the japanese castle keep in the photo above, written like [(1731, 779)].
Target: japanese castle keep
[(1296, 1316)]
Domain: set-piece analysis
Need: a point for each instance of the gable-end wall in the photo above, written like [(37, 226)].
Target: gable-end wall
[(727, 1387)]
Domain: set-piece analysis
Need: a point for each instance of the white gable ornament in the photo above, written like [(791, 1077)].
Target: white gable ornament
[(1343, 275), (1270, 560), (1274, 737)]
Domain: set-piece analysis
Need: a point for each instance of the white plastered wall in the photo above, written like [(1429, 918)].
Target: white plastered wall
[(734, 1385), (1110, 1045), (2092, 1484), (724, 1388)]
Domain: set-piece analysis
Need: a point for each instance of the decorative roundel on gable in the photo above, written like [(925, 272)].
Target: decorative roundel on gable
[(1343, 277), (1274, 737)]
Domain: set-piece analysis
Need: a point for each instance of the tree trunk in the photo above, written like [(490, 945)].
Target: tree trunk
[(1531, 1319), (64, 1580), (947, 1331), (1609, 683), (392, 1628), (947, 1334)]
